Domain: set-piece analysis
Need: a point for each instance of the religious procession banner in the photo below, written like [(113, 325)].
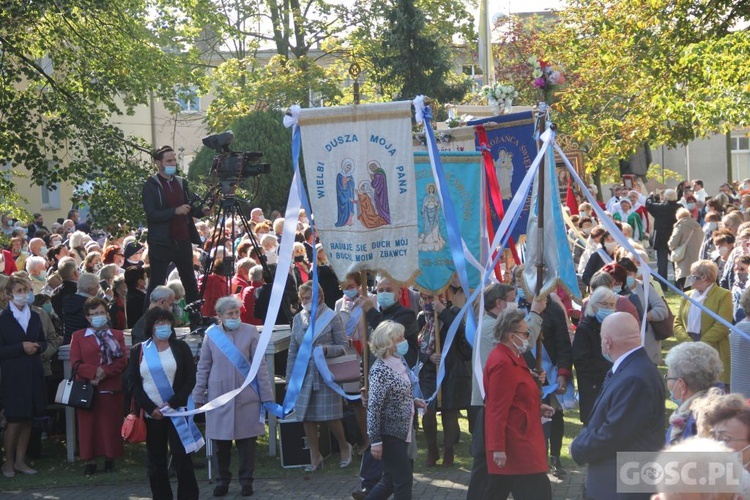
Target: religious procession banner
[(449, 139), (513, 148), (463, 172), (360, 178)]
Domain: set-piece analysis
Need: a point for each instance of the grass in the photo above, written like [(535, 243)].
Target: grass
[(56, 471)]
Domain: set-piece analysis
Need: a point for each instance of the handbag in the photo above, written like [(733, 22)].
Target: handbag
[(665, 328), (134, 427), (678, 254), (344, 368), (75, 393)]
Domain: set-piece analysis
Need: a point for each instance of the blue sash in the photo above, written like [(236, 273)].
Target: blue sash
[(567, 400), (354, 317), (325, 373), (190, 436)]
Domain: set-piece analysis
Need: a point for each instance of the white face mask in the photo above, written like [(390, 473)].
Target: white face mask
[(511, 306), (524, 344), (610, 246)]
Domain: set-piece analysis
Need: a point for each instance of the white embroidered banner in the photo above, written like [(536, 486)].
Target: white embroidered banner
[(360, 177)]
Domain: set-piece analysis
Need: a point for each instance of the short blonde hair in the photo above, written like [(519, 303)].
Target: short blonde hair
[(682, 213), (383, 338), (705, 268)]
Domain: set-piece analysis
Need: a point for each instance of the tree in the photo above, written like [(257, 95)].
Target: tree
[(405, 52), (262, 131), (656, 71), (67, 67)]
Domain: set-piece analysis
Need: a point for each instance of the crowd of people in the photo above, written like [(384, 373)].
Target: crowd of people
[(69, 285)]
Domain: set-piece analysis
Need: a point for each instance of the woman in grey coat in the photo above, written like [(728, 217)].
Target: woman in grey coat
[(240, 418), (317, 402), (687, 233)]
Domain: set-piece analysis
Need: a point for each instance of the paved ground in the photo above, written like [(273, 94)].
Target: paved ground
[(438, 484)]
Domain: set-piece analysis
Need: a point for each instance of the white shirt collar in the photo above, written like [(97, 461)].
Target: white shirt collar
[(701, 296), (619, 360)]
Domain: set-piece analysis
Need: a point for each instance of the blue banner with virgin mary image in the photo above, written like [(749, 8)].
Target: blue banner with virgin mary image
[(463, 172), (511, 142)]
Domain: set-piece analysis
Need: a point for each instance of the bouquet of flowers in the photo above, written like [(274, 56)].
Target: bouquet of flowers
[(499, 92), (545, 75)]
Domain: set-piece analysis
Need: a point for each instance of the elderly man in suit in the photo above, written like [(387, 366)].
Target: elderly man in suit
[(628, 415)]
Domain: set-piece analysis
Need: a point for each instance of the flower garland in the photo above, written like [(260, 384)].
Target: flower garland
[(545, 75)]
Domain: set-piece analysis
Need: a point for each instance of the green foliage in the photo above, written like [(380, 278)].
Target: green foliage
[(262, 131), (66, 68), (404, 48), (241, 87), (657, 71), (115, 197)]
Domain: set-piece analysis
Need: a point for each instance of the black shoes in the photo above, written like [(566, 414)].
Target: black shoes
[(359, 494), (90, 469), (556, 467), (109, 466), (221, 490), (247, 490)]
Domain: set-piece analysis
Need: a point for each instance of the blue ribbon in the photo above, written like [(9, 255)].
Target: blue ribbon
[(228, 349), (325, 372), (354, 317), (190, 436), (550, 370), (609, 225)]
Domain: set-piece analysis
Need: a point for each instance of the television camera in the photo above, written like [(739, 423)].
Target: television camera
[(231, 167)]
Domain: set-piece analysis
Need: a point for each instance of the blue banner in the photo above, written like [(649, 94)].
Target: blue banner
[(463, 171), (513, 148)]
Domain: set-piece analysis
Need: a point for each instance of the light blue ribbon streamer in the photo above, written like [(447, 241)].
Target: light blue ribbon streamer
[(228, 349), (325, 373), (617, 234), (550, 370), (354, 317), (190, 436)]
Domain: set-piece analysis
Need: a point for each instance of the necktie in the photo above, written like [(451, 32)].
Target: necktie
[(607, 379)]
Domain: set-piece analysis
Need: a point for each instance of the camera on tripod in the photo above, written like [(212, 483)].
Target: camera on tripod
[(231, 167)]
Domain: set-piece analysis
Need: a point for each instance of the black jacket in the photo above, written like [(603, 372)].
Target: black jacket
[(402, 316), (67, 288), (591, 366), (74, 318), (330, 284), (158, 213), (456, 385), (184, 377), (664, 221)]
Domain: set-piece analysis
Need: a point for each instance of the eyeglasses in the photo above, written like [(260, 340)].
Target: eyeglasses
[(723, 438), (666, 377), (524, 333)]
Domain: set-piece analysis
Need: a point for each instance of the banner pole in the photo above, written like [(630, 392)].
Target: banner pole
[(541, 127), (439, 353), (365, 339)]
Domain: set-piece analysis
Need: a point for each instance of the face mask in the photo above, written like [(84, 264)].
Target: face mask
[(742, 276), (99, 320), (610, 246), (299, 258), (711, 227), (21, 300), (42, 275), (30, 298), (232, 324), (674, 399), (723, 251), (170, 170), (97, 266), (524, 344), (43, 251), (351, 293), (47, 306), (630, 281), (520, 294), (163, 332), (511, 306), (602, 313), (690, 206), (271, 257), (690, 281), (402, 348), (307, 307), (607, 357), (586, 231), (386, 299)]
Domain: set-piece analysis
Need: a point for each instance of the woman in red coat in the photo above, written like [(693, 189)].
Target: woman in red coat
[(514, 440), (98, 354)]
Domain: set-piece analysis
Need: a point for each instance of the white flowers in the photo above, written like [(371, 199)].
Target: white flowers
[(500, 91)]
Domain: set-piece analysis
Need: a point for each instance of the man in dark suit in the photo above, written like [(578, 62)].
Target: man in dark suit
[(628, 415), (664, 214)]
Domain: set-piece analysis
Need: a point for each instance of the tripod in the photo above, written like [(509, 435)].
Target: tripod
[(230, 208)]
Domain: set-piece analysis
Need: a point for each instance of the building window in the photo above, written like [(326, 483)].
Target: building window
[(741, 143), (188, 100), (51, 197)]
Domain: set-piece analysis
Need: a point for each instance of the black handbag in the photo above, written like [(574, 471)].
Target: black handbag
[(72, 392)]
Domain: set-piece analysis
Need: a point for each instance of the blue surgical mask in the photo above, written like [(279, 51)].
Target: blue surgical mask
[(690, 206), (402, 348), (30, 298), (232, 324), (99, 320), (43, 251), (170, 170), (606, 356), (163, 332), (351, 293), (602, 313), (386, 299), (630, 281), (47, 306)]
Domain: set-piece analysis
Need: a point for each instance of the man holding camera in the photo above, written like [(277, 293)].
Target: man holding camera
[(171, 229)]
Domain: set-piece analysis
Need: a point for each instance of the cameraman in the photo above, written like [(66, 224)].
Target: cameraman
[(171, 229)]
